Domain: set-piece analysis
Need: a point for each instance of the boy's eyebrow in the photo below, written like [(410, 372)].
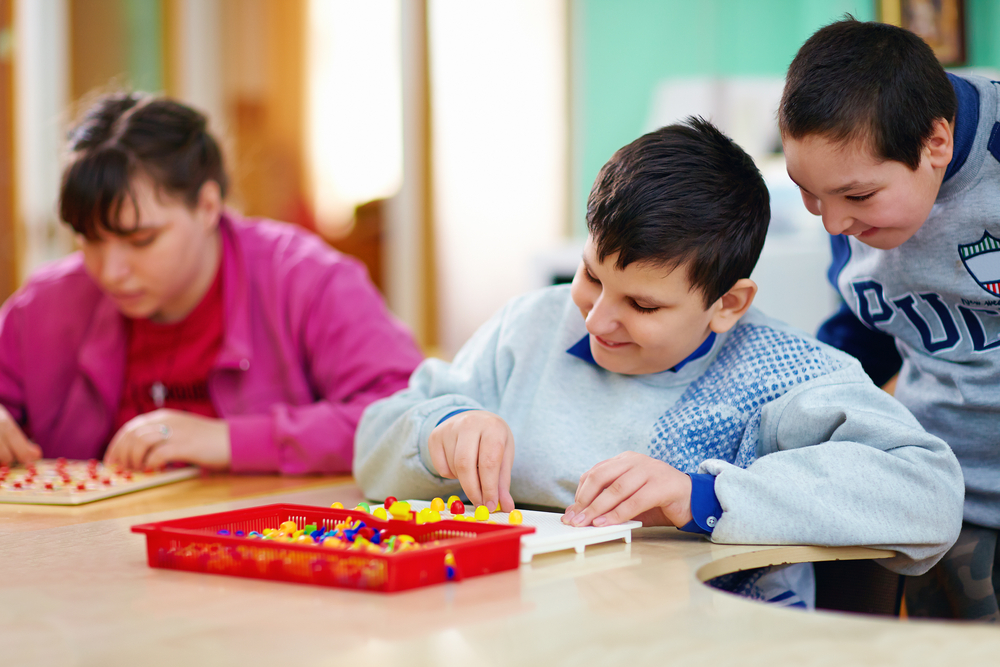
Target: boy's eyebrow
[(586, 265), (635, 297), (797, 184), (853, 185), (650, 301)]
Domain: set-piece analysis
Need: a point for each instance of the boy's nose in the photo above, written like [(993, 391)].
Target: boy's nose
[(600, 320), (837, 223)]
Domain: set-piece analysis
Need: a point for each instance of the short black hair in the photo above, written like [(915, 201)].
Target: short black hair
[(873, 82), (123, 135), (682, 194)]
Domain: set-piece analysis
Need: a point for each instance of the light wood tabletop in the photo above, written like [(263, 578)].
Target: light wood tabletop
[(76, 590)]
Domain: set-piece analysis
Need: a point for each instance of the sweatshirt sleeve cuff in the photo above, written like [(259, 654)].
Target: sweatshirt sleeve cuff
[(252, 446), (452, 414), (705, 507), (431, 421)]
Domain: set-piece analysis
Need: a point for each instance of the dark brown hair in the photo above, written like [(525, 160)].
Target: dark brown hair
[(873, 82), (682, 194), (123, 135)]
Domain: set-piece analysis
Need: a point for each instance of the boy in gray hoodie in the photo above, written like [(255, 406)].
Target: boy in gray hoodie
[(902, 161), (651, 389)]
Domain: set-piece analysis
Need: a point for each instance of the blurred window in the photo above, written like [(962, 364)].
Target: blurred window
[(354, 106)]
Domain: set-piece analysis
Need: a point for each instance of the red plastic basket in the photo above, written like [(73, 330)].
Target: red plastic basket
[(193, 544)]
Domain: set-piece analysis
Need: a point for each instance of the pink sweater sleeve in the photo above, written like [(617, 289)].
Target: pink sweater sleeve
[(355, 353), (11, 366)]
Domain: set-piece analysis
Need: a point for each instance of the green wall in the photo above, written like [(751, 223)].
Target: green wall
[(982, 37), (622, 48), (144, 44)]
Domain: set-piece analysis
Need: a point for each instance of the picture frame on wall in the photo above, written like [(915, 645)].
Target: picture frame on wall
[(940, 23)]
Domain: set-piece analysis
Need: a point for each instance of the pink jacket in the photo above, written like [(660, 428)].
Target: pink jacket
[(308, 345)]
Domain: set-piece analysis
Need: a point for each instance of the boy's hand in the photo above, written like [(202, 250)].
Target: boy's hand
[(14, 445), (477, 448), (631, 486), (157, 438)]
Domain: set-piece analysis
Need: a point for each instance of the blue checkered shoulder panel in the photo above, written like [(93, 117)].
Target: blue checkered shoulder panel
[(718, 417)]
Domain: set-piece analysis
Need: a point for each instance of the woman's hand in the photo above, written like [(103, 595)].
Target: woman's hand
[(156, 438), (477, 448), (629, 486), (14, 444)]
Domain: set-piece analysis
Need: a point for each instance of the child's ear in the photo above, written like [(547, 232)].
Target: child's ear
[(209, 205), (733, 304), (940, 145)]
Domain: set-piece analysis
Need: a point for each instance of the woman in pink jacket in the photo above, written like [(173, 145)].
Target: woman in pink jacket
[(180, 332)]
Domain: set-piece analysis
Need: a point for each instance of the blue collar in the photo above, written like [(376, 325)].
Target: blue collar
[(581, 349), (966, 123)]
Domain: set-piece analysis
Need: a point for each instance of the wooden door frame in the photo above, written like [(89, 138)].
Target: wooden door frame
[(9, 239)]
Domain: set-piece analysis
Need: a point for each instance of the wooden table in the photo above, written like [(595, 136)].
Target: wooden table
[(75, 590)]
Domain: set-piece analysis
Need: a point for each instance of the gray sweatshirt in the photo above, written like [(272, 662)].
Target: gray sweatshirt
[(805, 449), (938, 296)]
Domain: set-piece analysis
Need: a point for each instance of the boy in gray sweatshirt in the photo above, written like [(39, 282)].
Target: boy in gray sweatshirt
[(651, 389), (902, 161)]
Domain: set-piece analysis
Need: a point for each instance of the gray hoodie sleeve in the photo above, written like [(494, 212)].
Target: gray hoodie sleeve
[(390, 446), (843, 463)]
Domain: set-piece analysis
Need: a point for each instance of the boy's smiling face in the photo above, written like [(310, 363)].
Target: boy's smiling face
[(882, 203), (643, 319)]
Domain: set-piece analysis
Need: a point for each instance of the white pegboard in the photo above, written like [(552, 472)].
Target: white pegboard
[(551, 534)]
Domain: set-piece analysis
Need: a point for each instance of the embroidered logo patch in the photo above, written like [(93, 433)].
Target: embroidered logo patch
[(982, 261)]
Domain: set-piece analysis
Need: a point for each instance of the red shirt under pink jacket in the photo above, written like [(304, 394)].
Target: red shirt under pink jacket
[(308, 344)]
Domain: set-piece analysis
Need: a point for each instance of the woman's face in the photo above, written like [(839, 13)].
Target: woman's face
[(164, 265)]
